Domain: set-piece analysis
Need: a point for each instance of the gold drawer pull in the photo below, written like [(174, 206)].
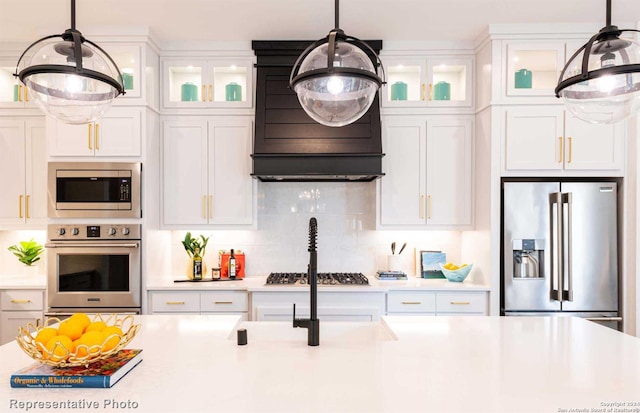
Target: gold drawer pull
[(89, 136), (175, 302), (20, 206), (210, 93), (204, 93), (560, 146), (223, 302), (412, 302), (20, 93), (460, 302), (26, 207), (20, 301), (570, 148)]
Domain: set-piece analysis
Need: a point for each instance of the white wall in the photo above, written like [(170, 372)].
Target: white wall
[(9, 264)]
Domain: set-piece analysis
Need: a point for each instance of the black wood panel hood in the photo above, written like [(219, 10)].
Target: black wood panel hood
[(289, 145)]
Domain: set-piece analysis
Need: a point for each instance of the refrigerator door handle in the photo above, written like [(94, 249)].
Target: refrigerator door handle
[(567, 295), (556, 264)]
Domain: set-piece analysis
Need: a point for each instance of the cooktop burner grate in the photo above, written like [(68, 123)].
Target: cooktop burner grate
[(324, 278)]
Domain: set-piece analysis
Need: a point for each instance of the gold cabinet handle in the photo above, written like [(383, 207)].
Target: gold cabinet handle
[(421, 206), (26, 94), (96, 129), (20, 93), (210, 206), (175, 302), (560, 146), (460, 302), (20, 206), (423, 92), (204, 93), (20, 301), (570, 148), (223, 302), (430, 91), (210, 93), (26, 206), (428, 206), (89, 136), (204, 206), (412, 302)]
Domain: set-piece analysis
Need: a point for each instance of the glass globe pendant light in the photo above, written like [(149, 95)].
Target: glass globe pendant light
[(601, 81), (71, 79), (335, 79)]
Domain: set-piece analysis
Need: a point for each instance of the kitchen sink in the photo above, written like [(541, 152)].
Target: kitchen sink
[(330, 332)]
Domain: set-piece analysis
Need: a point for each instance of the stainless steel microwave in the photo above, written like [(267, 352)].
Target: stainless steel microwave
[(94, 190)]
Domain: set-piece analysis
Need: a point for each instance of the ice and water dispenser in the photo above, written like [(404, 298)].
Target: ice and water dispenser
[(528, 258)]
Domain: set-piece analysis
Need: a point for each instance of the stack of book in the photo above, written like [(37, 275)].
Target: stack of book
[(391, 275)]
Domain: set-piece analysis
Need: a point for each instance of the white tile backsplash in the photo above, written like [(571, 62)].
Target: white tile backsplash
[(347, 238)]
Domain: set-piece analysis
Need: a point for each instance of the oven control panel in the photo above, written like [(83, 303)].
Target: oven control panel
[(93, 232)]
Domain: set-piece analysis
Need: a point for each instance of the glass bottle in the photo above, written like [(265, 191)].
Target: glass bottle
[(232, 265), (197, 265)]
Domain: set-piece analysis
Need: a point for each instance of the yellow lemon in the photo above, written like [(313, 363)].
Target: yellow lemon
[(59, 347), (113, 335), (96, 326), (89, 343), (82, 319), (45, 335), (463, 265), (70, 328)]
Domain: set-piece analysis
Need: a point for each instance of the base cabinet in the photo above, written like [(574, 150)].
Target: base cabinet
[(199, 302), (18, 308), (437, 303), (332, 306)]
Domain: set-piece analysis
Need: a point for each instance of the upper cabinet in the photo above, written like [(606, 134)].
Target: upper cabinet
[(196, 83), (13, 94), (432, 81), (532, 68), (116, 134)]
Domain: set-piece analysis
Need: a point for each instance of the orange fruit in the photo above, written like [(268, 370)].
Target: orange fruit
[(113, 335), (82, 319), (96, 326), (59, 347), (89, 343), (70, 328), (45, 335)]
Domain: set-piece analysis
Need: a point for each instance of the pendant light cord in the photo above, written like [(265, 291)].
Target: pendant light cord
[(73, 14), (608, 13), (337, 13)]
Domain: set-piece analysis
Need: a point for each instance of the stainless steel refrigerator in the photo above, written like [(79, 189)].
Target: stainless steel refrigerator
[(560, 254)]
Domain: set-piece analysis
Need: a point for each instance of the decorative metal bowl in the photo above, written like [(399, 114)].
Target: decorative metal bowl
[(27, 335)]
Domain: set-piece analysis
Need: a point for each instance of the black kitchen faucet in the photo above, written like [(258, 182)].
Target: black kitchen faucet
[(312, 324)]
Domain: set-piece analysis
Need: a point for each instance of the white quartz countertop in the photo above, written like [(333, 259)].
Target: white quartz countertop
[(257, 283), (23, 281), (430, 364)]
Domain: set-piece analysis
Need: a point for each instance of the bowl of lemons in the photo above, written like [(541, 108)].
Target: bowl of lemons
[(455, 273), (78, 340)]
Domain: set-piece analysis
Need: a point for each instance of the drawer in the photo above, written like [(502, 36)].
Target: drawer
[(224, 301), (456, 302), (411, 302), (175, 302), (22, 300)]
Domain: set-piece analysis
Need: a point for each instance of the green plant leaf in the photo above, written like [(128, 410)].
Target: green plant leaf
[(28, 252)]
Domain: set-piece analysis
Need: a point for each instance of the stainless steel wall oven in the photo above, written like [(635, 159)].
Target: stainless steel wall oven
[(93, 268)]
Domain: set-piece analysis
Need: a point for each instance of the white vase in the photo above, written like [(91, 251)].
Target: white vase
[(30, 270)]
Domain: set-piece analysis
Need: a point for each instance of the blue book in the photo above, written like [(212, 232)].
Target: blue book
[(99, 374)]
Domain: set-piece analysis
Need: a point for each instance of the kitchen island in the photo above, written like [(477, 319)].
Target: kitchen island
[(192, 363)]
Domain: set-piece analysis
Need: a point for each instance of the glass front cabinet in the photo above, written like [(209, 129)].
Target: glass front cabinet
[(533, 69), (13, 94), (207, 83), (437, 81)]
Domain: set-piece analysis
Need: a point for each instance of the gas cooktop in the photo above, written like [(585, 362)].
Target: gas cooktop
[(324, 278)]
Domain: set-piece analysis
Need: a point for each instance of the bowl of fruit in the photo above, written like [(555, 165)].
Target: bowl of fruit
[(78, 340), (455, 273)]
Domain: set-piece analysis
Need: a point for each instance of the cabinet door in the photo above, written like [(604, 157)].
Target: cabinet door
[(533, 68), (594, 147), (450, 81), (128, 59), (70, 140), (230, 182), (449, 161), (533, 138), (11, 321), (184, 173), (185, 83), (406, 82), (35, 207), (12, 167), (402, 189), (118, 133)]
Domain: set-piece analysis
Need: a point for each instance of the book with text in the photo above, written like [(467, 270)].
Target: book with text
[(100, 374)]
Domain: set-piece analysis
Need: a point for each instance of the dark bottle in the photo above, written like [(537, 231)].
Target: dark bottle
[(232, 265), (197, 265)]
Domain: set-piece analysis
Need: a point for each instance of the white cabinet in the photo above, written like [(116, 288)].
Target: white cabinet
[(199, 302), (532, 68), (430, 81), (13, 94), (207, 82), (23, 164), (437, 302), (116, 134), (428, 167), (332, 306), (207, 172), (18, 308), (543, 138)]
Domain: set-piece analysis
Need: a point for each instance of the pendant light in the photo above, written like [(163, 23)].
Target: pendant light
[(71, 79), (601, 81), (335, 79)]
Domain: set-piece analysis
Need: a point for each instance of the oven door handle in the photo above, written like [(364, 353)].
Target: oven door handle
[(67, 244)]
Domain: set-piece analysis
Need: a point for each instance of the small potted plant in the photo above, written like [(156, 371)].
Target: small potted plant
[(190, 244), (28, 253)]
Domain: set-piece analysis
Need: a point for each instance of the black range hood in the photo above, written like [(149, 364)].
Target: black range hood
[(289, 145)]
